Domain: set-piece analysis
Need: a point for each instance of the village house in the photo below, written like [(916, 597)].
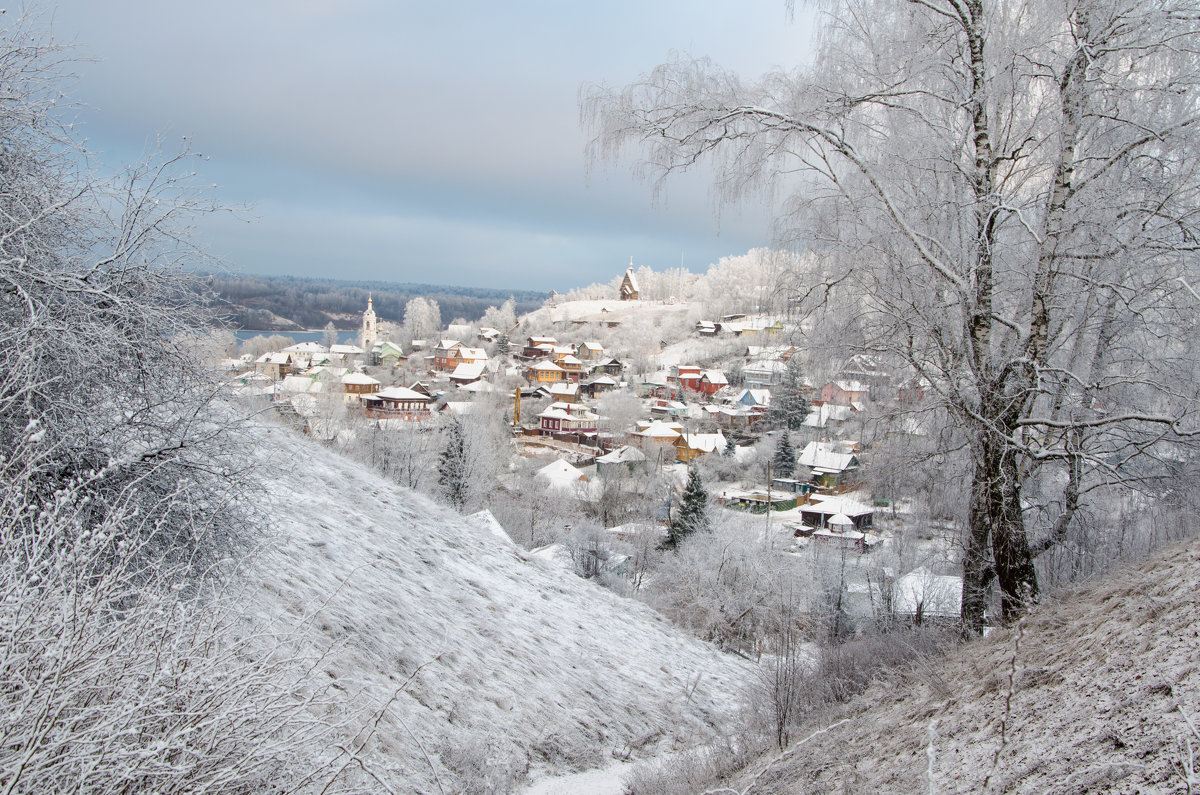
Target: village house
[(297, 384), (827, 418), (589, 351), (567, 418), (598, 386), (828, 464), (865, 369), (690, 446), (544, 372), (572, 368), (564, 392), (359, 384), (346, 351), (446, 355), (764, 373), (661, 407), (538, 347), (823, 509), (468, 372), (685, 377), (560, 352), (623, 461), (845, 393), (711, 381), (613, 367), (306, 348), (387, 354), (276, 366), (736, 416), (397, 402), (759, 399)]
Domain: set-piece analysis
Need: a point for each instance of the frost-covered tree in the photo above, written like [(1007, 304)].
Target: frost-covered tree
[(784, 461), (691, 516), (502, 318), (422, 318), (329, 335), (789, 405), (454, 467), (1009, 192), (124, 486)]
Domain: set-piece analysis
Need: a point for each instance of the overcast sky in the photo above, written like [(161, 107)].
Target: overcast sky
[(432, 142)]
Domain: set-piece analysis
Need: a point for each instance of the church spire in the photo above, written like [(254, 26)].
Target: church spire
[(370, 327)]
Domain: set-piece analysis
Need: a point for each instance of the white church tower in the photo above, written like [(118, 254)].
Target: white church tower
[(370, 328)]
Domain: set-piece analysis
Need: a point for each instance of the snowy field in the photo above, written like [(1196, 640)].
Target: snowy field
[(518, 669)]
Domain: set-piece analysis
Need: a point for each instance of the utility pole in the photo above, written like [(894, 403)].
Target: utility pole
[(768, 499)]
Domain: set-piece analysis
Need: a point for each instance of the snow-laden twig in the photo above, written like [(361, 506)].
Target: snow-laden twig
[(1187, 760), (1013, 671), (779, 758), (931, 754)]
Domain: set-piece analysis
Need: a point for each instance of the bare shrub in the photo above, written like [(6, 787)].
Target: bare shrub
[(694, 771), (114, 678)]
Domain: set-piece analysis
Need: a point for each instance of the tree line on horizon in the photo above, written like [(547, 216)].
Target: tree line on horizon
[(248, 302)]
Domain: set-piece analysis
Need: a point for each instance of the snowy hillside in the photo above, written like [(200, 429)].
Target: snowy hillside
[(607, 311), (523, 667), (1097, 693)]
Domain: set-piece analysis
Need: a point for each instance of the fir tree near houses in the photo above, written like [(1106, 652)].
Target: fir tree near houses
[(692, 515), (789, 407), (452, 467), (784, 460)]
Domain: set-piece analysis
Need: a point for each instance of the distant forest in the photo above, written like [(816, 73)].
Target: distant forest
[(289, 303)]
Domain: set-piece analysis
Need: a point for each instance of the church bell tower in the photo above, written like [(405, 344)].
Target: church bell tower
[(370, 328)]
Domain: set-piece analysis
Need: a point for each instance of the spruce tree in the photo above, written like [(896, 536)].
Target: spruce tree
[(452, 467), (730, 448), (789, 407), (503, 346), (692, 514), (784, 460)]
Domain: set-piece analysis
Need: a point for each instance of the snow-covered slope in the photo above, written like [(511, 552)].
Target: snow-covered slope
[(1097, 693), (606, 311), (523, 667)]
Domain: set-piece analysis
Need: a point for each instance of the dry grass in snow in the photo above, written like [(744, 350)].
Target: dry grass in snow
[(1091, 694), (482, 665)]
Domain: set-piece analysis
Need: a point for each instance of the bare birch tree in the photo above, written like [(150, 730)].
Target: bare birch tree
[(1011, 187)]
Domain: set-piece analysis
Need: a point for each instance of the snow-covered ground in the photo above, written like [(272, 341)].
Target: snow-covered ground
[(518, 668), (1097, 693), (608, 310)]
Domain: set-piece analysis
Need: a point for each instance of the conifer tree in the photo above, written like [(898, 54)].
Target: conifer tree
[(692, 515), (730, 447), (452, 467), (784, 459), (789, 407)]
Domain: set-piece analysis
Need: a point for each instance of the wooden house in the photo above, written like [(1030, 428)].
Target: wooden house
[(397, 402), (446, 355), (544, 372), (359, 384)]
